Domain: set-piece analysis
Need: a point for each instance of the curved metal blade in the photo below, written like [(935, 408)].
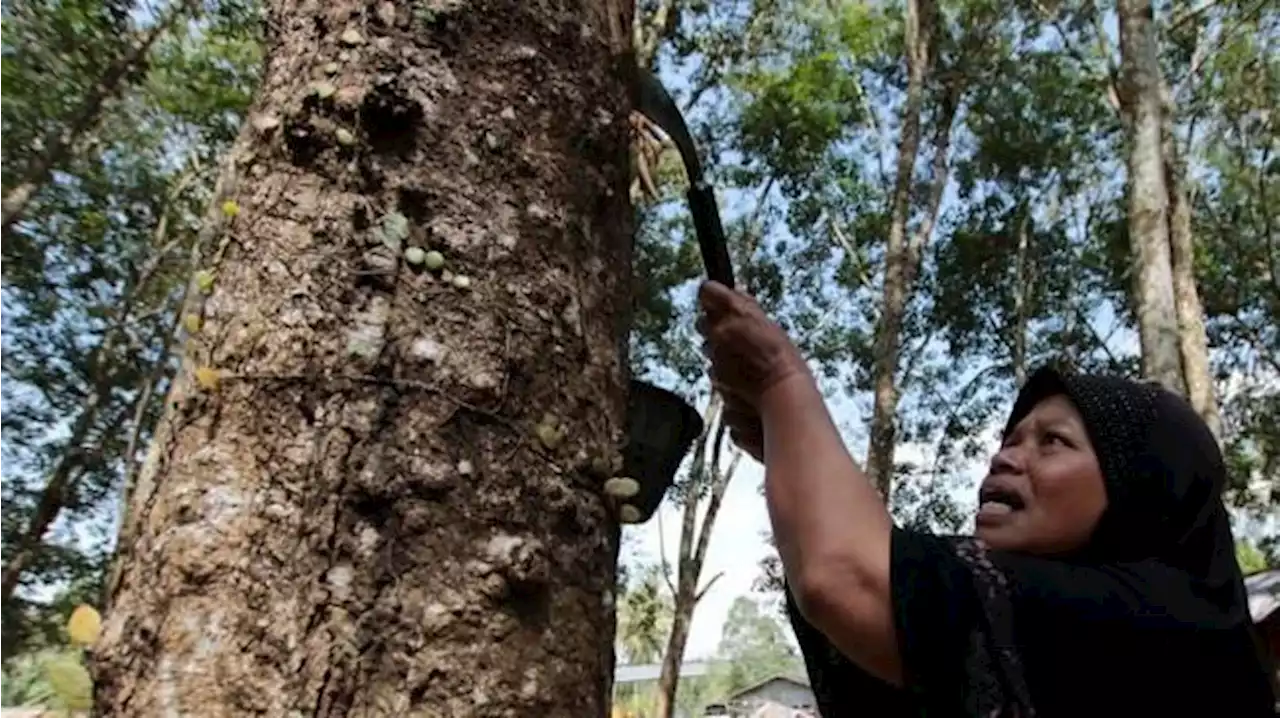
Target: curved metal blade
[(652, 100)]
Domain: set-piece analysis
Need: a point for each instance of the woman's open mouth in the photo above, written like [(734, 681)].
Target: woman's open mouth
[(995, 503)]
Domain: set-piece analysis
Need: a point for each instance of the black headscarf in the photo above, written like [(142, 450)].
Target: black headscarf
[(1149, 618)]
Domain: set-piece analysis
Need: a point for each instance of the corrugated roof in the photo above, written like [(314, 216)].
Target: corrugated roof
[(789, 678), (652, 671)]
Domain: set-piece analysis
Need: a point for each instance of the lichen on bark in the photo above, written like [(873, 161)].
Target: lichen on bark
[(361, 520)]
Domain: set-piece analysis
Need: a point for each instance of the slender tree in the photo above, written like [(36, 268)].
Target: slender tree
[(1148, 222), (898, 264)]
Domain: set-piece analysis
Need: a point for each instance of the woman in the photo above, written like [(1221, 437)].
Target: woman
[(1101, 579)]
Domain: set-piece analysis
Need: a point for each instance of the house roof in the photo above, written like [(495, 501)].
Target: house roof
[(775, 677), (641, 672), (1263, 588)]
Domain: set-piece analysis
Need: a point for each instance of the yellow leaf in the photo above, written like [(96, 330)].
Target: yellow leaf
[(207, 377), (230, 208), (85, 625), (71, 683), (191, 323), (204, 281)]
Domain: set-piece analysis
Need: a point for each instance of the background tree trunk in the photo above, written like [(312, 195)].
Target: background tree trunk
[(1148, 197), (1192, 338), (1023, 276), (1193, 341), (687, 570), (673, 657), (695, 539), (372, 492), (897, 257)]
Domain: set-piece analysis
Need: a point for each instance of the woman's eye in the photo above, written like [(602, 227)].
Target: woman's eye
[(1056, 438)]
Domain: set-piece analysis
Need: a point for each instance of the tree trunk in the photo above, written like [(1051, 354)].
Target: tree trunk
[(684, 602), (1022, 285), (648, 35), (1193, 341), (898, 259), (687, 572), (1148, 197), (1192, 337), (695, 539), (373, 490), (673, 658), (212, 228), (903, 256)]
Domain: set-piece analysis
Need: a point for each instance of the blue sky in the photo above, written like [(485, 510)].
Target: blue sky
[(738, 540)]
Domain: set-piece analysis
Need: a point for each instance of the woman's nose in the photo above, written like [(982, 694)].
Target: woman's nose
[(1006, 461)]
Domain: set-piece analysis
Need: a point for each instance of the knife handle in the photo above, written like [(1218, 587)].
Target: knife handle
[(711, 239)]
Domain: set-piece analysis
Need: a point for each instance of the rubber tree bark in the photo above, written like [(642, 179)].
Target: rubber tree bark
[(1148, 197), (377, 489)]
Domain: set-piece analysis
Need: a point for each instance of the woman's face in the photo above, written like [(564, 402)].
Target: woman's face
[(1044, 492)]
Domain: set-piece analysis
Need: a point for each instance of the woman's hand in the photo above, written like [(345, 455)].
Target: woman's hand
[(749, 354)]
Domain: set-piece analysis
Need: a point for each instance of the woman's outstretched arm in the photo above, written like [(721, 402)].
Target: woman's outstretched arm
[(831, 527)]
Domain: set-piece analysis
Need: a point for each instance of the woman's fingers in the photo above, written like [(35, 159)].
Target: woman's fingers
[(747, 351), (716, 299), (753, 445)]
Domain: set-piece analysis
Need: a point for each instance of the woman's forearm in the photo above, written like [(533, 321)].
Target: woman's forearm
[(822, 505), (831, 527)]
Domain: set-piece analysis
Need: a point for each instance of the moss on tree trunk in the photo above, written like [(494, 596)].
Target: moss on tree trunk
[(376, 487)]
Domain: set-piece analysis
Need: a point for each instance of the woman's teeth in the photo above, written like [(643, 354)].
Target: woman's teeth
[(995, 508)]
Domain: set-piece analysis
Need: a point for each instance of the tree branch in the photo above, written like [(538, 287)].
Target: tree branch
[(707, 587), (663, 564), (647, 36), (63, 477), (58, 142)]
